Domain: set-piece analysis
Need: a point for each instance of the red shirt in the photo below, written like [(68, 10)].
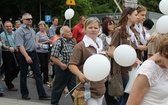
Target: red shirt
[(78, 32)]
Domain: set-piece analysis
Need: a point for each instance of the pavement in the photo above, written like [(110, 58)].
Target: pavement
[(14, 97)]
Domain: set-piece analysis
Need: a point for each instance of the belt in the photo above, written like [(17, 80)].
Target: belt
[(31, 51)]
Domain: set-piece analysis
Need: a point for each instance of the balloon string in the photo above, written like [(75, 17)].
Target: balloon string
[(64, 22), (73, 89)]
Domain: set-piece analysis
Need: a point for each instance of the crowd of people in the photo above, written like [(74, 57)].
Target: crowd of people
[(66, 51)]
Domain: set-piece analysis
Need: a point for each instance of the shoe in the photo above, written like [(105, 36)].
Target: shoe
[(1, 94), (12, 89), (46, 97), (26, 97)]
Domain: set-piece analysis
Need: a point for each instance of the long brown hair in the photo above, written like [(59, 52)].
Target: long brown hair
[(123, 21)]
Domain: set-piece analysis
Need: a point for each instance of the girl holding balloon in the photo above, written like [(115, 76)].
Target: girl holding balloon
[(124, 34), (90, 45)]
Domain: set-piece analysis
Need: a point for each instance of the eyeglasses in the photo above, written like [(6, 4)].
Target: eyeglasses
[(28, 19)]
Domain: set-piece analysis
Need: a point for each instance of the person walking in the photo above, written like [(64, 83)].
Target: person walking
[(9, 56), (124, 34), (90, 45), (78, 31), (43, 50), (53, 27), (60, 55), (25, 40), (106, 36)]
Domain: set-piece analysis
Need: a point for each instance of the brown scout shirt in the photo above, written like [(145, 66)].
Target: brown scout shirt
[(78, 58), (116, 41)]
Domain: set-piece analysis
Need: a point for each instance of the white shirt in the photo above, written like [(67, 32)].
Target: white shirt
[(158, 80)]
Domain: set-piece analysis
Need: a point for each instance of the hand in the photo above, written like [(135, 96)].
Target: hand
[(64, 66), (11, 49), (29, 60), (151, 39), (17, 50), (48, 41), (82, 78), (136, 63), (51, 63)]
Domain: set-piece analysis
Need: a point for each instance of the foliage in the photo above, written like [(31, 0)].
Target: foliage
[(15, 8)]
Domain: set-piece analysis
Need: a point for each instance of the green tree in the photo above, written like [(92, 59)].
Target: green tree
[(14, 9)]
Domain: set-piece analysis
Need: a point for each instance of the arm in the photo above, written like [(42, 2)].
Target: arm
[(58, 62), (139, 90), (74, 69), (110, 51), (142, 47), (24, 53)]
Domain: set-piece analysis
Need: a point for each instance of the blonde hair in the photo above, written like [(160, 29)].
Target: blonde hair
[(91, 20)]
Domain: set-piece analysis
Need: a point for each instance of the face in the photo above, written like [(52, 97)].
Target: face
[(17, 25), (82, 21), (27, 20), (110, 26), (8, 27), (55, 22), (92, 29), (67, 33), (133, 18), (142, 16), (41, 27)]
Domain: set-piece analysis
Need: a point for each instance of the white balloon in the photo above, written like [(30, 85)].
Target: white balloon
[(125, 55), (69, 13), (96, 67), (162, 24), (163, 6)]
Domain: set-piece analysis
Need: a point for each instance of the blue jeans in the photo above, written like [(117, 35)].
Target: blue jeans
[(63, 78), (123, 99), (1, 89), (37, 74)]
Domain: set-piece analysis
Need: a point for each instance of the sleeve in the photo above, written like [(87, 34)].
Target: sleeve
[(150, 70), (75, 32), (50, 31), (76, 55), (3, 38), (115, 41), (18, 36), (55, 51)]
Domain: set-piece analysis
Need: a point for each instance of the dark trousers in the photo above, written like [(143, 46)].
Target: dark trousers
[(43, 57), (63, 78), (123, 99), (10, 68), (37, 74), (110, 100)]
